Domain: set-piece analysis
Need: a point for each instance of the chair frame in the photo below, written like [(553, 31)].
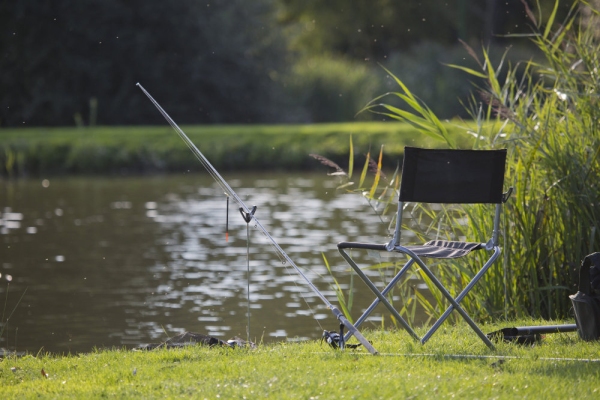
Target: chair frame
[(492, 245)]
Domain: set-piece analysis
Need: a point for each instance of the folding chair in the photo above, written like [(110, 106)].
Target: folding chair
[(445, 177)]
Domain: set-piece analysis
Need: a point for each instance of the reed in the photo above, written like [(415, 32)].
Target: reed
[(546, 115), (547, 118), (380, 194), (4, 320)]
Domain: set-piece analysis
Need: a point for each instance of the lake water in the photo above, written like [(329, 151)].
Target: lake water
[(106, 262)]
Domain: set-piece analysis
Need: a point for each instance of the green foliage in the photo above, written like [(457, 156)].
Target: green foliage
[(345, 304), (546, 115), (323, 87), (456, 364), (230, 61), (380, 196), (66, 64), (423, 68), (420, 116), (375, 29), (547, 120)]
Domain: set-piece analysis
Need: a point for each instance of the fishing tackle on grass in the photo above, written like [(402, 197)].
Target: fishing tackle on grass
[(336, 340), (252, 217)]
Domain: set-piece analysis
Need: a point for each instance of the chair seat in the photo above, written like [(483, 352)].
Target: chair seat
[(444, 249)]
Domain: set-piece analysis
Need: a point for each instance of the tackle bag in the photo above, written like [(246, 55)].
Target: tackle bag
[(586, 302)]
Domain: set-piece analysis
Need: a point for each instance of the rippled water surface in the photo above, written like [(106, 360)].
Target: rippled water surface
[(122, 261)]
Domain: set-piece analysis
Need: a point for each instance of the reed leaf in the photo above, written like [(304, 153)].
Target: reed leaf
[(551, 19), (469, 71), (377, 175), (363, 174), (345, 305), (351, 159)]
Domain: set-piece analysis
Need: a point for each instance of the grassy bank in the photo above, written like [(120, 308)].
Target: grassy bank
[(94, 150), (456, 364)]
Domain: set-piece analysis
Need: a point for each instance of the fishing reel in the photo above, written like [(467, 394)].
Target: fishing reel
[(336, 340)]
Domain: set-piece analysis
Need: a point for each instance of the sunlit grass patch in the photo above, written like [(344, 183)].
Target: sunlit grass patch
[(102, 150), (455, 362)]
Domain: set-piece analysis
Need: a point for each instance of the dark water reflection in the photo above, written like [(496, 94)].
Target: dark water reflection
[(124, 261)]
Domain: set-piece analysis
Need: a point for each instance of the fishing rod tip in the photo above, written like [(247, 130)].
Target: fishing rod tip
[(137, 84)]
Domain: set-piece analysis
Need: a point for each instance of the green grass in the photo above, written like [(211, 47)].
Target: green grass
[(37, 151), (454, 363)]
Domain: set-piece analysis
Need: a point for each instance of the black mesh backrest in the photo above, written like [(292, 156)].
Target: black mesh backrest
[(452, 176)]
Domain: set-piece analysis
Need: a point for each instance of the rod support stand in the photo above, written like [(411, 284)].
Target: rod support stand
[(248, 215)]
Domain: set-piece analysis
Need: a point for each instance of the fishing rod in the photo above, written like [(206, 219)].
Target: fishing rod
[(250, 214)]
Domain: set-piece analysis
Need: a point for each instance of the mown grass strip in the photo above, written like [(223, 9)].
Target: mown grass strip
[(454, 363), (139, 149)]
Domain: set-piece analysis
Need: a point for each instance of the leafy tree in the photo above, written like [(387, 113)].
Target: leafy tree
[(376, 28), (58, 56), (64, 62)]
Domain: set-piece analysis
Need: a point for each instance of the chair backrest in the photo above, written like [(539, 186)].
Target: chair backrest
[(452, 176)]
